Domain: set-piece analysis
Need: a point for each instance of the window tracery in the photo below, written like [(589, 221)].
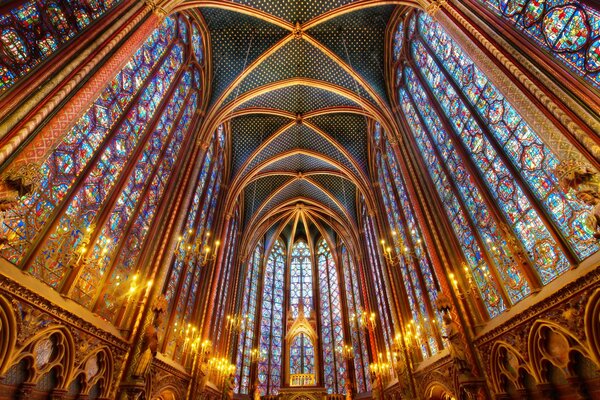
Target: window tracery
[(492, 171), (182, 284), (358, 336), (249, 302), (332, 335), (102, 186), (415, 266), (567, 30), (271, 322), (301, 278), (33, 30)]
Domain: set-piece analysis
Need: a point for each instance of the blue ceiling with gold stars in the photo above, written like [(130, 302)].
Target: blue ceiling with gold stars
[(295, 80)]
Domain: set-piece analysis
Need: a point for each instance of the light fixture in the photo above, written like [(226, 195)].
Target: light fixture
[(237, 323), (346, 351), (363, 319)]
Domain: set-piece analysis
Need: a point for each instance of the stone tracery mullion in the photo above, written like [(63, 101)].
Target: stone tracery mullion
[(134, 215), (60, 208), (516, 175)]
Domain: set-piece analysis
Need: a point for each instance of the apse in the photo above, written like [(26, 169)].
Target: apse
[(299, 200)]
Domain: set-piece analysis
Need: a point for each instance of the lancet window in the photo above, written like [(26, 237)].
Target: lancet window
[(84, 229), (301, 278), (185, 273), (227, 275), (332, 334), (32, 31), (409, 252), (494, 175), (249, 317), (271, 322), (317, 288), (359, 337), (377, 269)]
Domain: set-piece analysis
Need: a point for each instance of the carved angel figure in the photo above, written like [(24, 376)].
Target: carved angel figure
[(586, 183)]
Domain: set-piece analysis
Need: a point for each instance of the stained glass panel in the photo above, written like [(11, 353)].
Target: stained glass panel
[(358, 335), (249, 302), (28, 37), (271, 323), (568, 30), (530, 156), (332, 336), (70, 159), (301, 279), (408, 243)]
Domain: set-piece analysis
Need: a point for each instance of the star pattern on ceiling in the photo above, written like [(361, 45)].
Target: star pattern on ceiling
[(299, 83)]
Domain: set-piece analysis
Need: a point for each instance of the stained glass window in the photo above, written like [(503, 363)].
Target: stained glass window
[(302, 355), (102, 186), (271, 323), (453, 110), (332, 335), (398, 40), (248, 310), (358, 336), (416, 269), (377, 270), (227, 273), (181, 288), (568, 30), (529, 156), (34, 30), (70, 159), (301, 277)]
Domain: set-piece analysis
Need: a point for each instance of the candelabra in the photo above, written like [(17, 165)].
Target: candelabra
[(471, 285), (380, 369), (237, 323), (404, 250), (189, 335), (256, 355), (388, 254), (364, 319), (198, 252), (347, 351), (219, 368)]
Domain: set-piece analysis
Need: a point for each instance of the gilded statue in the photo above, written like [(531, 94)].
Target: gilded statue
[(228, 387), (17, 182), (256, 392)]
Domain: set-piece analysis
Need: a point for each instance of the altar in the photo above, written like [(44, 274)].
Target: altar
[(302, 393)]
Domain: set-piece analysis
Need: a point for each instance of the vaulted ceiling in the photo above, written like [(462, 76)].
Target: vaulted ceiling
[(299, 82)]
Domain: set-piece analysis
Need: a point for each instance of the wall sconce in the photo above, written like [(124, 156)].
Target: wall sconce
[(347, 351), (237, 323), (256, 355), (364, 319)]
